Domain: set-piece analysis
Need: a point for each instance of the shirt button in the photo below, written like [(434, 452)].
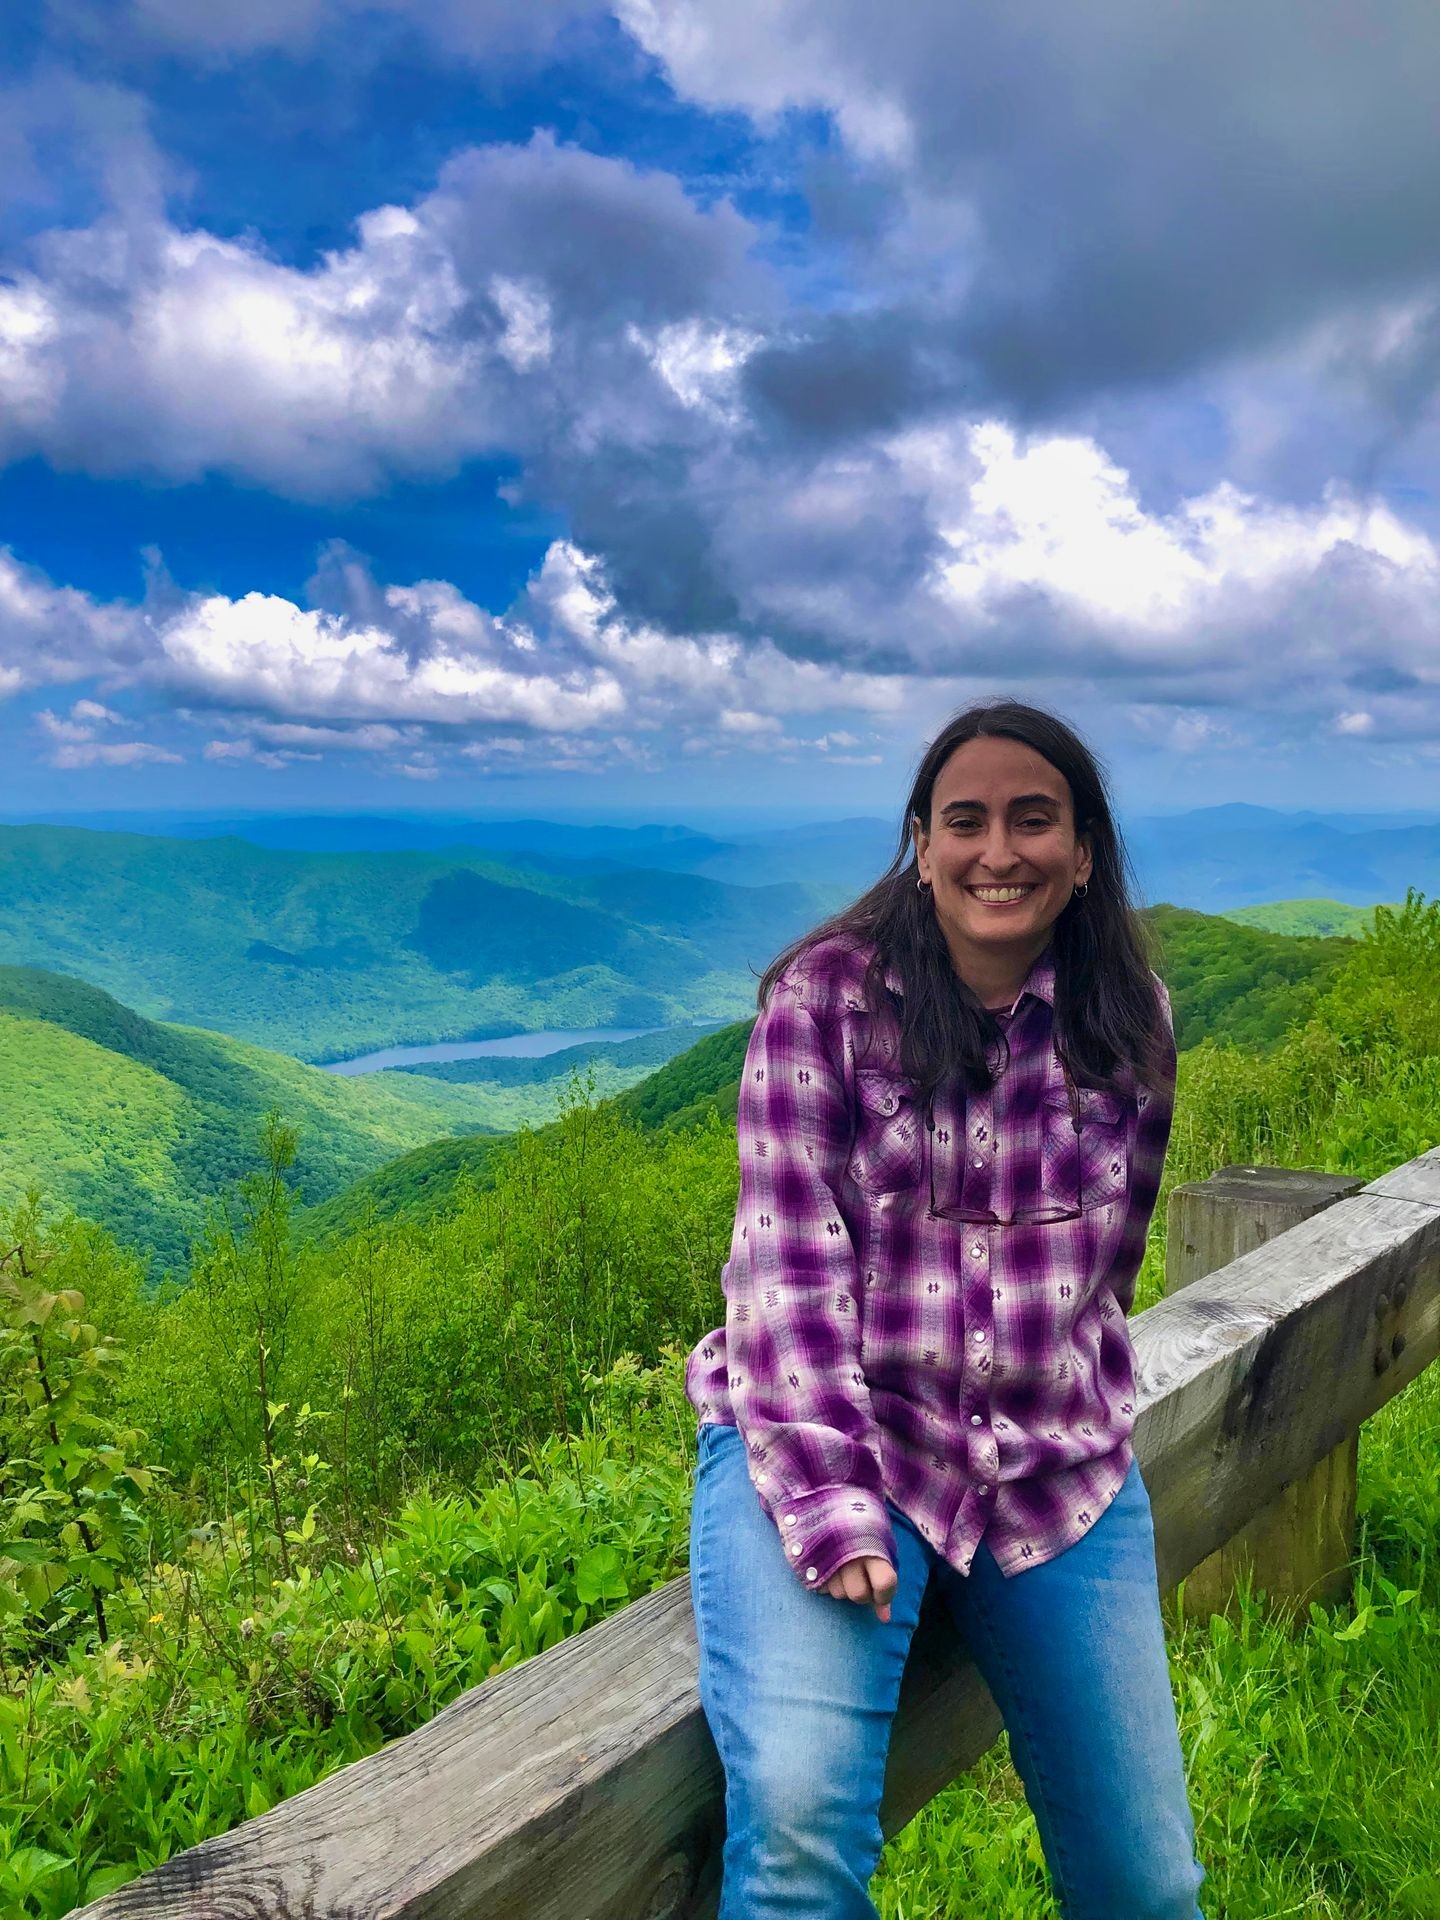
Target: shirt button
[(789, 1519), (977, 1252), (795, 1548), (809, 1573), (977, 1336), (984, 1487), (977, 1163), (975, 1420)]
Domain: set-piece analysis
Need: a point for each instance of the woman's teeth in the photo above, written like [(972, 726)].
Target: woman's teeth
[(997, 896)]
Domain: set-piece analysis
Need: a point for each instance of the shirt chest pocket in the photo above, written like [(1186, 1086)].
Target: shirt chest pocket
[(888, 1126), (1090, 1168)]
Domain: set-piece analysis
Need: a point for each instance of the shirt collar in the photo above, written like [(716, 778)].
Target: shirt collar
[(1039, 982)]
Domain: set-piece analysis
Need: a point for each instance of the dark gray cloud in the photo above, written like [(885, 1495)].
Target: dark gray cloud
[(1152, 187), (607, 242)]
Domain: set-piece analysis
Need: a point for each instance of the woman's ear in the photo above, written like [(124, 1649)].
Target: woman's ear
[(921, 840), (1084, 860)]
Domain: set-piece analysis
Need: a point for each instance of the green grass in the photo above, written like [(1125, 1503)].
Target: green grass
[(1310, 1755)]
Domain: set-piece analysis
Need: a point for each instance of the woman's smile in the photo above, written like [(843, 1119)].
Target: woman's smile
[(995, 896)]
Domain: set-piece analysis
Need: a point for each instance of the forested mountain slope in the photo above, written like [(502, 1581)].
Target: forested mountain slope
[(139, 1124), (705, 1079), (1229, 983), (1306, 919), (1238, 983), (332, 954)]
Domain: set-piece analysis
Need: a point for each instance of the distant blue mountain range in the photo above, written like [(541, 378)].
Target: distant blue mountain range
[(1213, 858)]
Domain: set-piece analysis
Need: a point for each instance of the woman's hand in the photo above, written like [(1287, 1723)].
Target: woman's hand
[(870, 1581)]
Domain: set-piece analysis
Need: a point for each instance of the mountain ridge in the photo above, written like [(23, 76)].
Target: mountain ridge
[(141, 1123), (331, 955)]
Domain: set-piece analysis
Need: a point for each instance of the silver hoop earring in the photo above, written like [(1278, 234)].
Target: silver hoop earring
[(1082, 891), (921, 886)]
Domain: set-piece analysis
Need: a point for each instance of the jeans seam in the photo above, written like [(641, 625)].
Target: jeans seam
[(700, 1606), (1060, 1865)]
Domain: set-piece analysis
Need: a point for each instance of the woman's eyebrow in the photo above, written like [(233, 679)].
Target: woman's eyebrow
[(1021, 800)]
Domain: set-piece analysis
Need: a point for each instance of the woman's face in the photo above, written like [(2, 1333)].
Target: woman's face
[(1000, 851)]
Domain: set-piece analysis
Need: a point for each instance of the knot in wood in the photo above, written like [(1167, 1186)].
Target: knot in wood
[(674, 1883)]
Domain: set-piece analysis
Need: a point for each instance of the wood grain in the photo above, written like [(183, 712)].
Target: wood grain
[(1212, 1222), (1299, 1546), (583, 1785)]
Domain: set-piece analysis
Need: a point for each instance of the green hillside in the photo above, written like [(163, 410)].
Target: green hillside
[(1307, 919), (333, 954), (1228, 983), (136, 1123), (334, 1485), (1239, 983), (704, 1079)]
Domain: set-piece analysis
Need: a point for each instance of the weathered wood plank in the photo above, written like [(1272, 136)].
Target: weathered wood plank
[(1416, 1180), (583, 1786), (1299, 1546), (1212, 1222), (1253, 1375)]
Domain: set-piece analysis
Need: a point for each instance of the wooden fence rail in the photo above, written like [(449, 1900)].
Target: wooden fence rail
[(583, 1785)]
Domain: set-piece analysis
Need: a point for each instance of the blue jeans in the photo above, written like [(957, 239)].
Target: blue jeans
[(800, 1691)]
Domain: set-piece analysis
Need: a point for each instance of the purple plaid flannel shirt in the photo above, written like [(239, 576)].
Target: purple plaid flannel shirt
[(979, 1377)]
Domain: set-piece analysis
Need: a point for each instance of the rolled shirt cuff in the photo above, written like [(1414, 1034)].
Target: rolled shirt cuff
[(820, 1531)]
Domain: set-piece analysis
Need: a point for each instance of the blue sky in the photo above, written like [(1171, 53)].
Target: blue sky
[(685, 403)]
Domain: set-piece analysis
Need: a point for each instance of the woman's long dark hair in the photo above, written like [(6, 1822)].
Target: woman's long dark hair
[(1106, 1013)]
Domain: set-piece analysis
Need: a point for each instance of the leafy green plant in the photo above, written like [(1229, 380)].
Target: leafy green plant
[(69, 1472)]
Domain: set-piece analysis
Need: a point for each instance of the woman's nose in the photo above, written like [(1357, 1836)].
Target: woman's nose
[(997, 855)]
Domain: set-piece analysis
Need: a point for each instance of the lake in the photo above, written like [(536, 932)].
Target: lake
[(523, 1046)]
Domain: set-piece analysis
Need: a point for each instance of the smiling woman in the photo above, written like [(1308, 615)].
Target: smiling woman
[(908, 1386), (1004, 861)]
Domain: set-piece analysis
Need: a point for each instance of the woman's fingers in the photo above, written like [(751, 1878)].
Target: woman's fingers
[(855, 1578), (868, 1581), (883, 1582)]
